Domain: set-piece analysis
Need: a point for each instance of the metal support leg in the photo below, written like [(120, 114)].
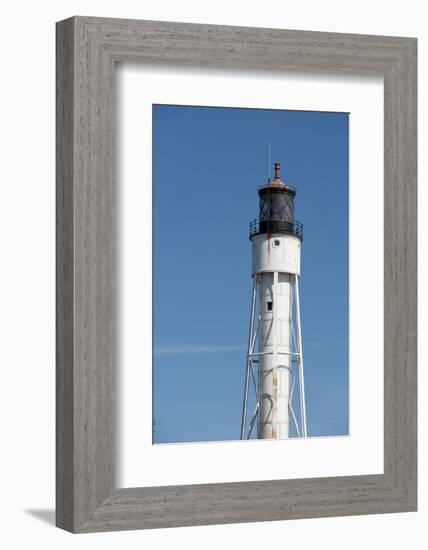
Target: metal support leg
[(300, 351), (249, 366)]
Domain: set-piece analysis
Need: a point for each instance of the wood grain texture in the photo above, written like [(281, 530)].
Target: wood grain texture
[(64, 277), (87, 49)]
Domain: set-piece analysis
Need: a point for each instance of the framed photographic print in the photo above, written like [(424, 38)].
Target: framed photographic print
[(236, 282)]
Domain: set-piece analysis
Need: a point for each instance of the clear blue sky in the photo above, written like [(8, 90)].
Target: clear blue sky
[(207, 165)]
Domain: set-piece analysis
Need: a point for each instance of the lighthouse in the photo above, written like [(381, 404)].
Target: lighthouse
[(274, 359)]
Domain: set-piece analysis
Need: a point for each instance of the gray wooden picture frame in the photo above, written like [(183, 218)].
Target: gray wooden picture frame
[(87, 50)]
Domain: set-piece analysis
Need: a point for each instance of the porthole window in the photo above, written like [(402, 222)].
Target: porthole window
[(276, 243)]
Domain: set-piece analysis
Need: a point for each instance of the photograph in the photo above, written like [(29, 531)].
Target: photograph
[(250, 274)]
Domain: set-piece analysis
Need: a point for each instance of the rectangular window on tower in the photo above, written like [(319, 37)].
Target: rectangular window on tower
[(269, 305)]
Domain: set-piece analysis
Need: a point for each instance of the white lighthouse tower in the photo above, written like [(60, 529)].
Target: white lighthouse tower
[(275, 336)]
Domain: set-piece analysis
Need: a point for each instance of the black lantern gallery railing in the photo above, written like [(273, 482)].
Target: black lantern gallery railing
[(258, 226)]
